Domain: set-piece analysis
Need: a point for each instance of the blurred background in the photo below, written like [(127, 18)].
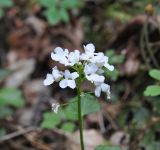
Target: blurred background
[(128, 31)]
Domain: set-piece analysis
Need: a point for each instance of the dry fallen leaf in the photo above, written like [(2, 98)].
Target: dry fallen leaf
[(92, 138), (21, 69)]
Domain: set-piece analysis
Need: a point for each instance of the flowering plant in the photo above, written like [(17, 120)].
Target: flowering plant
[(87, 66)]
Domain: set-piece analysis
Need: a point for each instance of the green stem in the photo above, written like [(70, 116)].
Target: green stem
[(80, 117)]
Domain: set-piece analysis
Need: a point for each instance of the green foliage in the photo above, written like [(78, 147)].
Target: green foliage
[(57, 11), (141, 116), (4, 73), (114, 60), (5, 4), (105, 147), (155, 74), (88, 104), (9, 97), (12, 97), (50, 120), (68, 127), (69, 113), (115, 11), (2, 132), (148, 140), (66, 113), (5, 111), (153, 90)]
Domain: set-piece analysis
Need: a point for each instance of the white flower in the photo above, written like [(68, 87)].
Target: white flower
[(69, 79), (55, 107), (102, 87), (60, 55), (90, 68), (108, 66), (95, 78), (93, 73), (99, 59), (55, 76), (91, 62), (49, 80), (73, 57), (89, 52), (89, 48)]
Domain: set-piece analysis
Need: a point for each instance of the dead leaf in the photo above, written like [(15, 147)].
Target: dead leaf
[(92, 138), (21, 69)]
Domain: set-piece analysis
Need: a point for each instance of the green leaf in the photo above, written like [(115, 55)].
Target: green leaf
[(4, 72), (6, 3), (5, 111), (155, 74), (48, 3), (114, 58), (68, 114), (71, 4), (11, 96), (69, 127), (1, 13), (147, 138), (103, 147), (63, 14), (122, 117), (50, 120), (2, 132), (152, 90), (52, 16), (88, 104), (110, 53), (141, 115), (112, 74)]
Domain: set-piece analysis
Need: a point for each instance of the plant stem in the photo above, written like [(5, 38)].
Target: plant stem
[(80, 117)]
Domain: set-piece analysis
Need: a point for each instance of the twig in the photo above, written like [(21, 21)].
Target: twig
[(146, 37), (101, 122), (142, 48), (110, 119), (17, 133)]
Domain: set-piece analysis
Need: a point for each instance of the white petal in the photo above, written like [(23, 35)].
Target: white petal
[(56, 73), (90, 68), (74, 75), (67, 74), (63, 60), (49, 80), (63, 83), (74, 57), (105, 87), (66, 51), (89, 48), (71, 83), (109, 67), (95, 78), (84, 56), (53, 56), (98, 91)]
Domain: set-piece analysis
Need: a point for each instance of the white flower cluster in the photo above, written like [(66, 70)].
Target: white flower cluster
[(91, 64)]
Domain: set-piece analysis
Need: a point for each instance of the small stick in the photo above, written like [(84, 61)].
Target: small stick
[(17, 133)]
